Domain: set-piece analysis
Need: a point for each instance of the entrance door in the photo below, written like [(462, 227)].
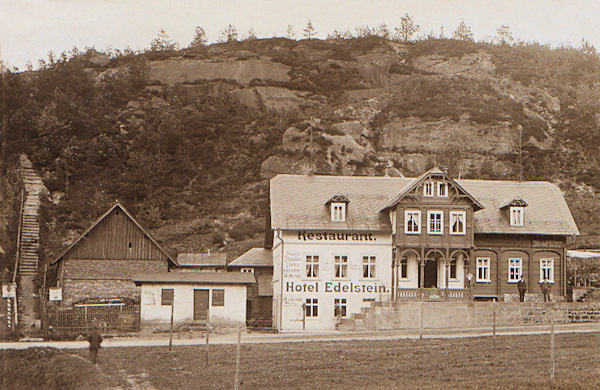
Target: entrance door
[(430, 279), (200, 305)]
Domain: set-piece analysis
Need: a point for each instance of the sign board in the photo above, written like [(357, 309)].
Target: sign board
[(55, 294), (9, 290)]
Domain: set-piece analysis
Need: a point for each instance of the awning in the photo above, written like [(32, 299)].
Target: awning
[(582, 254)]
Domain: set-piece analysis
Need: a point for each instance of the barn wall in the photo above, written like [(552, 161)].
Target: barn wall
[(116, 237)]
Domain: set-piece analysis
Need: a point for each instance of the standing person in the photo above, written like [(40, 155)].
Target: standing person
[(546, 290), (522, 287), (95, 339)]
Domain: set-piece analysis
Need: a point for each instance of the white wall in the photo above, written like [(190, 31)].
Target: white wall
[(232, 313), (289, 296)]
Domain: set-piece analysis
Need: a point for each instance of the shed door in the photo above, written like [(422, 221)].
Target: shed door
[(200, 305)]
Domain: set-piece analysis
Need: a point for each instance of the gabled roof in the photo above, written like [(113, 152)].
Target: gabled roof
[(338, 198), (194, 277), (432, 172), (298, 201), (255, 257), (122, 208), (202, 259), (547, 211), (515, 202)]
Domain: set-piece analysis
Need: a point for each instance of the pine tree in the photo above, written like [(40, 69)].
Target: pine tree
[(505, 37), (229, 34), (199, 38), (163, 42), (309, 30), (290, 34), (407, 28), (463, 32)]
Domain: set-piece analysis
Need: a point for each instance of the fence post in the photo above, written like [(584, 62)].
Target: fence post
[(237, 361), (494, 323), (552, 341), (171, 331), (207, 334), (422, 309)]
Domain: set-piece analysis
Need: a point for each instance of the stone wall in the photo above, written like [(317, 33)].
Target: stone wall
[(460, 315), (104, 278)]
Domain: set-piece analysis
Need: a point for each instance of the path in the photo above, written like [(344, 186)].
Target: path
[(260, 338)]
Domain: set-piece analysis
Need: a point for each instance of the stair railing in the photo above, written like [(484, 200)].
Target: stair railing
[(19, 232)]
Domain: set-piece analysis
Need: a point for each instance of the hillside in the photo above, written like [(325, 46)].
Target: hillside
[(186, 139)]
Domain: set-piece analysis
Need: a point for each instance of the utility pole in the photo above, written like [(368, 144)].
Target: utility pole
[(520, 153)]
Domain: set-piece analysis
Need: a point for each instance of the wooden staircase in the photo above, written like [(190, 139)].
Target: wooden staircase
[(29, 241)]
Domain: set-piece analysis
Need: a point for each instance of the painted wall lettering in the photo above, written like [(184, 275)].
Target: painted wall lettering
[(303, 235)]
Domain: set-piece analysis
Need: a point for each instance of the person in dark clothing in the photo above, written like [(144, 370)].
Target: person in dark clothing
[(522, 287), (545, 287), (95, 339)]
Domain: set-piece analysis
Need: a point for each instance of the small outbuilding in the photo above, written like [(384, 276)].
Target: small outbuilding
[(197, 297), (212, 262)]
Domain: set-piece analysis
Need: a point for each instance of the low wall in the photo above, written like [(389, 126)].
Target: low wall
[(440, 315)]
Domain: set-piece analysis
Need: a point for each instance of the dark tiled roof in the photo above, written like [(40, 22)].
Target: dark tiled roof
[(202, 259), (298, 202), (194, 277), (255, 257)]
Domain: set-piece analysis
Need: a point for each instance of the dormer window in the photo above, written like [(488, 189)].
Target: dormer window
[(428, 189), (516, 216), (338, 212), (338, 206), (516, 211), (442, 188)]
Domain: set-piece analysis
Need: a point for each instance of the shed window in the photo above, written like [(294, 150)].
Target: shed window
[(218, 297), (167, 296)]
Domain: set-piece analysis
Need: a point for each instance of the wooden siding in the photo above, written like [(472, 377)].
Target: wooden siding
[(500, 248), (453, 202), (116, 237)]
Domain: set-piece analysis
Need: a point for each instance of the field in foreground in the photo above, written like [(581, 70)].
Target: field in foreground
[(469, 363)]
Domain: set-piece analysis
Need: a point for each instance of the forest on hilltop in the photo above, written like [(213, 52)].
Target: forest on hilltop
[(190, 158)]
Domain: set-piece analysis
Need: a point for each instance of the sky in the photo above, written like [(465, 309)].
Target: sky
[(29, 29)]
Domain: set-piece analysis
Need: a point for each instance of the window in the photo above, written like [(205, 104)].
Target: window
[(247, 270), (483, 269), (341, 266), (547, 270), (457, 222), (516, 216), (218, 297), (428, 189), (368, 266), (312, 307), (338, 212), (515, 267), (339, 305), (312, 266), (412, 221), (442, 188), (168, 296), (435, 220), (404, 268), (453, 268)]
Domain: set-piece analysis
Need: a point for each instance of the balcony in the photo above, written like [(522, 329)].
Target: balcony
[(433, 294)]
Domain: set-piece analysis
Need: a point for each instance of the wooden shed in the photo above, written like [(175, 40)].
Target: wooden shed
[(103, 259)]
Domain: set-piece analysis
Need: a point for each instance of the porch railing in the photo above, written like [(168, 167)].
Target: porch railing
[(433, 294)]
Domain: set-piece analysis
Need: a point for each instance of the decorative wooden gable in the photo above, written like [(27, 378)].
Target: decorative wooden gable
[(116, 235), (434, 185)]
